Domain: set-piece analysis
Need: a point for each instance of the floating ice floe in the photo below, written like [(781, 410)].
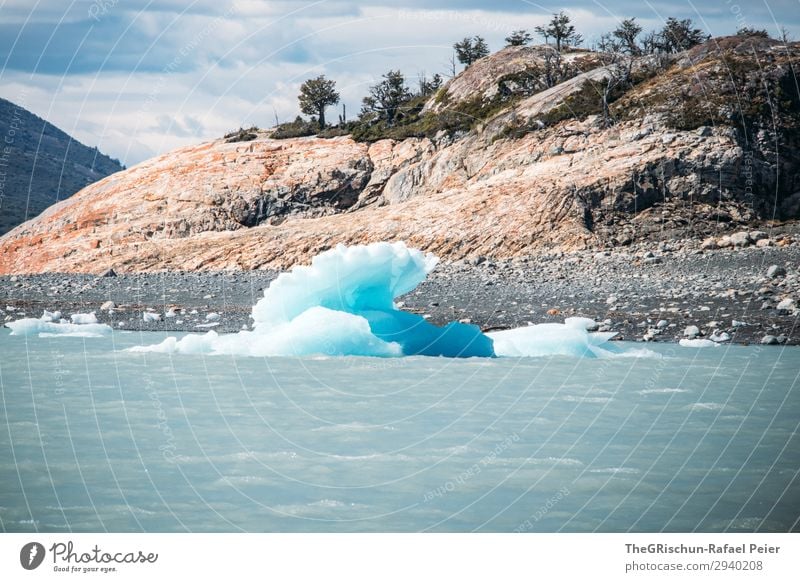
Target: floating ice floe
[(545, 339), (83, 318), (344, 304), (698, 343), (44, 328)]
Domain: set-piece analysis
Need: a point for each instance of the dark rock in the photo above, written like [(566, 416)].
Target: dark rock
[(776, 271)]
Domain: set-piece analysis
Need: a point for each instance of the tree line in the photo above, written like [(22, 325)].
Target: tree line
[(387, 97)]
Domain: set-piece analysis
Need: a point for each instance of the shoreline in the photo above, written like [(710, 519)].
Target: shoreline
[(644, 295)]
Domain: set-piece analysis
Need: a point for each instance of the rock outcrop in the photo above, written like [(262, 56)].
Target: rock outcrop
[(511, 69), (521, 182)]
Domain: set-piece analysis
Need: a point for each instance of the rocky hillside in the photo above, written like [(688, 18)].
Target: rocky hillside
[(690, 147), (40, 165)]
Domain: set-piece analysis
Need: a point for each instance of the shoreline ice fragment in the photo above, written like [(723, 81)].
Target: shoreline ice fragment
[(44, 328)]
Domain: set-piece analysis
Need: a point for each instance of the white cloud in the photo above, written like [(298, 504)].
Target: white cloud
[(193, 71)]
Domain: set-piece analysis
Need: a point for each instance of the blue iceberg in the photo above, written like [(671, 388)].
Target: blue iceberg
[(344, 304)]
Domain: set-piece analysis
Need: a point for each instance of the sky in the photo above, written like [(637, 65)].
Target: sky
[(141, 77)]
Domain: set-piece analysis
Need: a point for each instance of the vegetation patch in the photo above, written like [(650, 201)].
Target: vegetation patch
[(297, 128), (579, 105), (242, 134), (724, 89)]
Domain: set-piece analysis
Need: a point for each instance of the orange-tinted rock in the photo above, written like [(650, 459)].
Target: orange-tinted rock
[(189, 209)]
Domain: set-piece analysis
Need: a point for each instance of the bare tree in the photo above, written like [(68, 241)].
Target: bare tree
[(428, 86), (452, 64), (544, 32), (552, 68), (619, 63), (561, 30), (627, 32)]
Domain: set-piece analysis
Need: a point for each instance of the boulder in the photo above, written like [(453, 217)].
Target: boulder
[(740, 239), (709, 244), (776, 271)]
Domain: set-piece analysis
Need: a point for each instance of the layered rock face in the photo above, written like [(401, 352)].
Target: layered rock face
[(521, 182)]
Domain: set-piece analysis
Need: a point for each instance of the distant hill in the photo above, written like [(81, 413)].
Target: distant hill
[(40, 165)]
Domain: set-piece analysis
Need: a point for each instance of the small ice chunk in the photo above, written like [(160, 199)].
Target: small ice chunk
[(148, 316), (83, 318), (697, 343), (212, 316), (54, 316)]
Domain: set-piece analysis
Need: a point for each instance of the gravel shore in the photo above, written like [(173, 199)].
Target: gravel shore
[(649, 294)]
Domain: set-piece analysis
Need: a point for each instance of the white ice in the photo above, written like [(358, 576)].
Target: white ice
[(698, 343), (54, 316), (344, 303), (50, 329), (548, 339), (83, 318)]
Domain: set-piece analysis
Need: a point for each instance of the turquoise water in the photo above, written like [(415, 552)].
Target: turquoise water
[(95, 438)]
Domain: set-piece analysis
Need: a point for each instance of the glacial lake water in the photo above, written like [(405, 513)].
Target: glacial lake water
[(95, 438)]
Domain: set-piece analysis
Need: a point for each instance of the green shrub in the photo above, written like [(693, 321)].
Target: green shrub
[(242, 134), (335, 131), (297, 128)]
